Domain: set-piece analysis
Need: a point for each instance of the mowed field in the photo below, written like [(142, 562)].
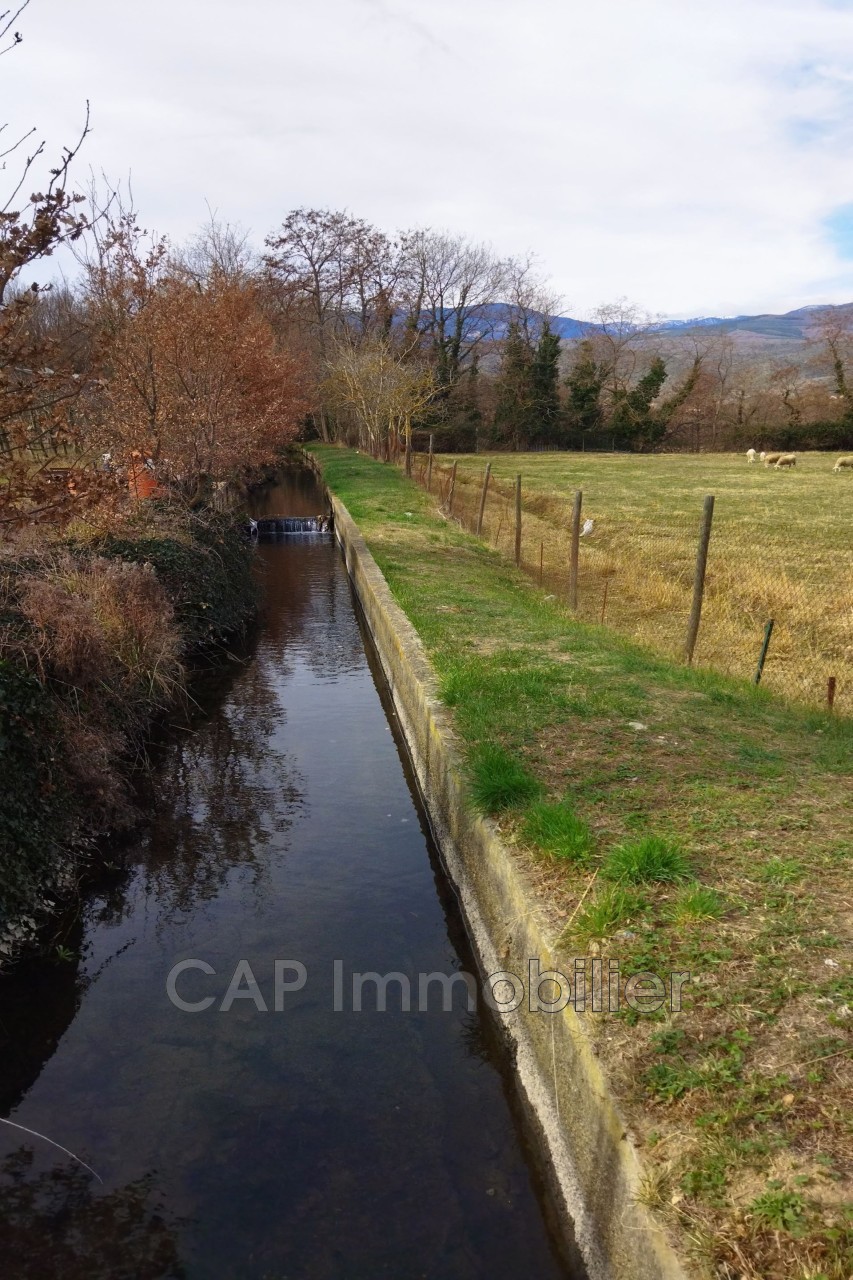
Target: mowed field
[(781, 548)]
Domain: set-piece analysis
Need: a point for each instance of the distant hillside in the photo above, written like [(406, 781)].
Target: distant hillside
[(764, 337), (793, 325)]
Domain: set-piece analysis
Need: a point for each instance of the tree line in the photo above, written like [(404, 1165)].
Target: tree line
[(430, 332), (204, 359)]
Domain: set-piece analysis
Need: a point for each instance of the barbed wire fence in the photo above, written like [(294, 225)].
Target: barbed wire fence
[(761, 609)]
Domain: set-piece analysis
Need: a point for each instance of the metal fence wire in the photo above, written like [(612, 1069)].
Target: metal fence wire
[(636, 574)]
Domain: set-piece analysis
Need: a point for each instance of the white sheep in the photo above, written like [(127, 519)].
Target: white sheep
[(786, 460), (769, 458), (751, 455), (844, 463)]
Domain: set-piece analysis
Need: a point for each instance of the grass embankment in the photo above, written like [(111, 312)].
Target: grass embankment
[(678, 820), (780, 548), (96, 633)]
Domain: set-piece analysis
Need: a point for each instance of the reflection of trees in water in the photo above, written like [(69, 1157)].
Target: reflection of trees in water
[(38, 1001), (308, 609), (54, 1225), (222, 794), (297, 492), (227, 794), (476, 1039)]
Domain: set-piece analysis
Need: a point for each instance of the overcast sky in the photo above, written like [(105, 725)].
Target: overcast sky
[(694, 157)]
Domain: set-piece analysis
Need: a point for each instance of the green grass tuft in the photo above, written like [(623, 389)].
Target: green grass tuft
[(499, 782), (645, 861), (781, 871), (557, 830), (612, 909), (696, 902)]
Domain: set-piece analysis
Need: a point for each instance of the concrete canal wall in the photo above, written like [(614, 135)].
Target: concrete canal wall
[(595, 1168)]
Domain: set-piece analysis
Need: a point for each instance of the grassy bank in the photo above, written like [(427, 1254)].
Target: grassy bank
[(677, 820), (98, 631), (780, 548)]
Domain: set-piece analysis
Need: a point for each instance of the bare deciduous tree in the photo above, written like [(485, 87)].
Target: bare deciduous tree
[(379, 391)]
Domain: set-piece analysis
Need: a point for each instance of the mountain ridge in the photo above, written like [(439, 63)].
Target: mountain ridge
[(793, 325)]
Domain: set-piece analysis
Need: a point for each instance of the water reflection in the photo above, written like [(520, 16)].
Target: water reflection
[(55, 1224), (312, 1142)]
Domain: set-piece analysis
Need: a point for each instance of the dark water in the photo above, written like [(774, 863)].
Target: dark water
[(306, 1142)]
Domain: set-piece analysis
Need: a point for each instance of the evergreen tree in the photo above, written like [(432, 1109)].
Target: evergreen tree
[(635, 416), (514, 409), (546, 412), (584, 385), (467, 419)]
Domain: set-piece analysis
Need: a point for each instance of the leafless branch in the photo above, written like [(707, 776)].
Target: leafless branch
[(7, 20)]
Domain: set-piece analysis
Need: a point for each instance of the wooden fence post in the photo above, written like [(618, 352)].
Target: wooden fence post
[(575, 549), (429, 466), (830, 692), (699, 577), (408, 430), (483, 498), (517, 521), (765, 645), (452, 488)]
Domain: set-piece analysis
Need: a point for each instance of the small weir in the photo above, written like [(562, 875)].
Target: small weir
[(269, 526), (196, 1036)]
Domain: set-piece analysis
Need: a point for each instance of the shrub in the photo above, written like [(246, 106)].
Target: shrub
[(91, 642), (203, 566), (36, 805), (100, 638), (104, 628)]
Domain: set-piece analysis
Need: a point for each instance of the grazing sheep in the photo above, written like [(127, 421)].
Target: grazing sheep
[(843, 463), (751, 455), (786, 460), (770, 458)]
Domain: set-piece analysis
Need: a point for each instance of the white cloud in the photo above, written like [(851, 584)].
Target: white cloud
[(683, 154)]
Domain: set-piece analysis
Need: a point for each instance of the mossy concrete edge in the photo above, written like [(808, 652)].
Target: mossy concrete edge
[(596, 1168)]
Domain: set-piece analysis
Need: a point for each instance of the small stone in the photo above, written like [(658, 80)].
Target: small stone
[(787, 1100), (845, 1011), (637, 724)]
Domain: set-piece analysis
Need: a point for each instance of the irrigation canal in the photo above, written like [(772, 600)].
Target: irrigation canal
[(307, 1143)]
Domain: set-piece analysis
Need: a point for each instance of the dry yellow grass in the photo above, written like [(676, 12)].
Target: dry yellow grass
[(781, 548)]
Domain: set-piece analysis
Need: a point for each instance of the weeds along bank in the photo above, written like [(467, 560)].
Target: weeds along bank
[(780, 548), (672, 821), (98, 632)]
